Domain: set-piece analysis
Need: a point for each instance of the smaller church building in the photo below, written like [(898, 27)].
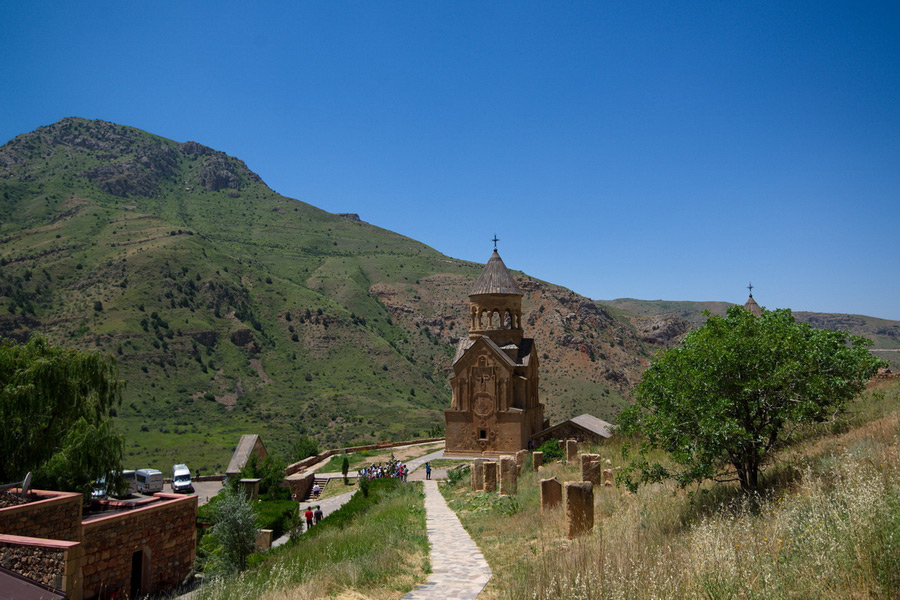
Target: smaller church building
[(495, 408)]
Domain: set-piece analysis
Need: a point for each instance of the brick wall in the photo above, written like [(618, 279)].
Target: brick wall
[(57, 516), (164, 531)]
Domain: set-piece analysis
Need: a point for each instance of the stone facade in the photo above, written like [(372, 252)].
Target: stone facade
[(53, 516), (86, 556), (160, 537), (495, 407), (48, 564)]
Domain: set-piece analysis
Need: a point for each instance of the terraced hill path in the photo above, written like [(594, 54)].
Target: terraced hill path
[(458, 569)]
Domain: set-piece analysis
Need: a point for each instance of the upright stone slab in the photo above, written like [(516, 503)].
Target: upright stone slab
[(571, 450), (551, 494), (490, 476), (508, 476), (478, 475), (537, 459), (592, 468), (520, 461), (579, 507), (586, 460), (251, 488)]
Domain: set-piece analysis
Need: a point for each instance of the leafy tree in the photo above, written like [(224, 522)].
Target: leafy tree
[(734, 392), (305, 447), (235, 532), (345, 467), (270, 473), (55, 408)]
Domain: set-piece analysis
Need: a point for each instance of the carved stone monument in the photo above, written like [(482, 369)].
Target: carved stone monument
[(537, 460), (551, 494), (571, 450), (490, 476), (508, 476), (478, 475), (579, 507)]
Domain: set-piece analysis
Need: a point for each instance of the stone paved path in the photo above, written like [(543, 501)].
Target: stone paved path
[(458, 569)]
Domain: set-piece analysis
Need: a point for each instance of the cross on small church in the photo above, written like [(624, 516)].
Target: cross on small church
[(495, 240), (750, 287)]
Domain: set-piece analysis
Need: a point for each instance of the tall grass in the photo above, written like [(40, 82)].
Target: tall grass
[(375, 546), (828, 527)]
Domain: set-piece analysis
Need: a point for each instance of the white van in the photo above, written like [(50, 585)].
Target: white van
[(148, 481), (181, 480)]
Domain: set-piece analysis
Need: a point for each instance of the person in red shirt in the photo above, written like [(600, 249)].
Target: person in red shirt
[(309, 517)]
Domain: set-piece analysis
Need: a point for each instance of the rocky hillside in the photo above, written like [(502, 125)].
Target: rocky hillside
[(232, 309)]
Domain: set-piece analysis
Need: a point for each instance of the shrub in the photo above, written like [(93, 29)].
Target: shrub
[(552, 451)]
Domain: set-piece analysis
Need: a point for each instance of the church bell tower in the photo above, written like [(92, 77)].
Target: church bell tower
[(495, 408)]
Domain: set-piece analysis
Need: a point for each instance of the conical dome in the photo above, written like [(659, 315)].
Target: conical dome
[(495, 279), (752, 306), (495, 304)]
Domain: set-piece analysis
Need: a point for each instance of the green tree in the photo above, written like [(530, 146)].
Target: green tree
[(345, 467), (305, 447), (55, 408), (234, 531), (734, 392)]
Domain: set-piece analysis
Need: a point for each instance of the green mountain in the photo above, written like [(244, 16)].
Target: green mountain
[(233, 309)]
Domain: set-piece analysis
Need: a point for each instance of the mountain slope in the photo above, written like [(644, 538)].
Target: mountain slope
[(232, 309)]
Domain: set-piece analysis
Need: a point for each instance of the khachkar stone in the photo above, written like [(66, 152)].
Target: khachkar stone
[(490, 476), (478, 475), (571, 450), (579, 507), (520, 460), (551, 494), (537, 460), (592, 468), (508, 476), (495, 407)]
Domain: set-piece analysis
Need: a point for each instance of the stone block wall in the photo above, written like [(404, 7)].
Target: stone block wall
[(164, 531), (56, 516), (49, 562)]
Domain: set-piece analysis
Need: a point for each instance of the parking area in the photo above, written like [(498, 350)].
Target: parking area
[(203, 489)]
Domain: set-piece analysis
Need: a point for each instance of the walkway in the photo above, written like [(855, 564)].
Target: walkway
[(328, 505), (458, 569)]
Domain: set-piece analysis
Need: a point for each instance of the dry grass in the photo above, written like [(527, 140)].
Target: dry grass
[(829, 528)]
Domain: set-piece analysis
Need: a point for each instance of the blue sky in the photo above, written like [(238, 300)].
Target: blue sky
[(622, 149)]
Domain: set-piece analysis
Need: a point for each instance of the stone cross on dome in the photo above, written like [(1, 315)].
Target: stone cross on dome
[(750, 287), (495, 240)]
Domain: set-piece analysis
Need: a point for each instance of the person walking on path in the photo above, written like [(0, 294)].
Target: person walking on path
[(319, 514), (428, 470), (309, 517)]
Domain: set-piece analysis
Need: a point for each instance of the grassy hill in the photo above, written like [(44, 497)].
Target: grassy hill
[(233, 309)]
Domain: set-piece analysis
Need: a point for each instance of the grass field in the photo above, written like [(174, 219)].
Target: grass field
[(375, 546), (828, 526)]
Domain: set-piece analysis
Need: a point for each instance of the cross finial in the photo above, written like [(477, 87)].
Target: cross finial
[(495, 240), (750, 287)]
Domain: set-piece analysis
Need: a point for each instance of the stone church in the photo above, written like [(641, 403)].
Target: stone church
[(495, 408)]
